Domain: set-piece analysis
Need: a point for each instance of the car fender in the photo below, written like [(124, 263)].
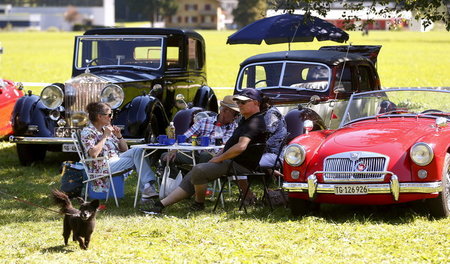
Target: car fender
[(206, 98), (295, 121), (440, 143), (29, 110), (137, 115), (311, 142)]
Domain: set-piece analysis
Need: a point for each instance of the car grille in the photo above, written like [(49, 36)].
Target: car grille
[(355, 166), (79, 92)]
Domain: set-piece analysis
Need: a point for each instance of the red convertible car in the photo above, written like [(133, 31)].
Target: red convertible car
[(392, 146), (9, 93)]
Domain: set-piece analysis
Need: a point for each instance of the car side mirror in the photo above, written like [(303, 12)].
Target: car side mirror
[(180, 103), (339, 89), (308, 125), (441, 122), (314, 100)]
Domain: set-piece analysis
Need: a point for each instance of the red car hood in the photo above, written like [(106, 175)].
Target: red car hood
[(392, 137)]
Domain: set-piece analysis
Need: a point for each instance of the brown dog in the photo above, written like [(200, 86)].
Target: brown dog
[(81, 222)]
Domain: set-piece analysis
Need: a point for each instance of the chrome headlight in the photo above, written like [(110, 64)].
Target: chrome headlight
[(421, 153), (113, 95), (52, 96), (294, 155)]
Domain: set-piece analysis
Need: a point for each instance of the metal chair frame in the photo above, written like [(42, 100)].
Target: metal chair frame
[(86, 161)]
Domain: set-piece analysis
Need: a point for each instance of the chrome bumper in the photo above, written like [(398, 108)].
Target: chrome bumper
[(58, 140), (394, 187)]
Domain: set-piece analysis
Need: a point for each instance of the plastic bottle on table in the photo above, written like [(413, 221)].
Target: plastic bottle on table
[(194, 140), (170, 131), (218, 135)]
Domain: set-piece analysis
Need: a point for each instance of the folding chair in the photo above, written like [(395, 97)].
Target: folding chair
[(87, 163), (232, 175), (278, 165)]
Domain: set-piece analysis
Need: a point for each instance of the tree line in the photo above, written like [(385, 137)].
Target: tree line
[(249, 11)]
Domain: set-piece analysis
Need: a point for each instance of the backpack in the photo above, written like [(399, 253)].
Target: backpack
[(72, 176)]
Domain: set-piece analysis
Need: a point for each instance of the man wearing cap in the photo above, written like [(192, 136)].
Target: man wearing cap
[(224, 124), (251, 130)]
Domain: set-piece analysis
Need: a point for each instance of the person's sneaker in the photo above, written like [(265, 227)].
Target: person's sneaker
[(147, 200), (149, 191), (195, 206), (152, 207)]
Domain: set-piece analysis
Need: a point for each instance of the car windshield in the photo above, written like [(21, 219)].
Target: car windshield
[(132, 51), (397, 102), (285, 74)]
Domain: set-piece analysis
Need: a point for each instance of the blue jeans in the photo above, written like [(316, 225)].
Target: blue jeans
[(131, 159)]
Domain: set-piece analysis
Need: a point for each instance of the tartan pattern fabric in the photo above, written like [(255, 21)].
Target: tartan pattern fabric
[(206, 127)]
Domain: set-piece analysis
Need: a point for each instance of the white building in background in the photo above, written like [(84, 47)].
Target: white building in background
[(228, 6), (54, 17)]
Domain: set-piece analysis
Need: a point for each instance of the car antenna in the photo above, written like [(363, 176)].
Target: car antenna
[(339, 83), (343, 66)]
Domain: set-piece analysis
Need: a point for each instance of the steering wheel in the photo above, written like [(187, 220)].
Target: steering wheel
[(431, 111), (260, 81), (98, 59)]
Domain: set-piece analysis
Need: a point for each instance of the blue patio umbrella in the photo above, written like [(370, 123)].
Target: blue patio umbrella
[(287, 28)]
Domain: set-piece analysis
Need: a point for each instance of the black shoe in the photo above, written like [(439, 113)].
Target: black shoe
[(195, 207), (152, 207)]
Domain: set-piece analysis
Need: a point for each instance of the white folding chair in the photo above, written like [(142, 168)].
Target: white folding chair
[(87, 163)]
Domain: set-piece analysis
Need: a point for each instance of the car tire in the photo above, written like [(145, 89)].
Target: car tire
[(439, 207), (299, 207), (28, 153)]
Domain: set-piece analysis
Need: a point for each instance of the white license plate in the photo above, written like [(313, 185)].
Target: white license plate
[(69, 148), (353, 189)]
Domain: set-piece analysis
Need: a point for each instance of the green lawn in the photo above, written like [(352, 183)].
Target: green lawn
[(336, 234), (406, 59)]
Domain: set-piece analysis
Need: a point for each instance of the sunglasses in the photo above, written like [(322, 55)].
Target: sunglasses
[(239, 102)]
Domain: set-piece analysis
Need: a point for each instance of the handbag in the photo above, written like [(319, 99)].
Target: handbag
[(168, 184), (72, 176), (278, 197)]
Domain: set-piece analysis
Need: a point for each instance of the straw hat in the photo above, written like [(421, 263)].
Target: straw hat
[(228, 102)]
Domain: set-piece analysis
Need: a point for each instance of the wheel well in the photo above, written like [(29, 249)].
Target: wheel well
[(206, 98)]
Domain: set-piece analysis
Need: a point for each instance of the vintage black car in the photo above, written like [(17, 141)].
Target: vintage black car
[(145, 74), (311, 84)]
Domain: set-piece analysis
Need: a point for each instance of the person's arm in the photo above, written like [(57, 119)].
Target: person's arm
[(195, 129), (122, 144), (95, 150), (233, 151)]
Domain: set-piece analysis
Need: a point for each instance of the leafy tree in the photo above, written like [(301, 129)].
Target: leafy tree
[(428, 10), (154, 9), (248, 11)]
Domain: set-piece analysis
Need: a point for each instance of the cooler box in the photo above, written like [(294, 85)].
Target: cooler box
[(119, 187)]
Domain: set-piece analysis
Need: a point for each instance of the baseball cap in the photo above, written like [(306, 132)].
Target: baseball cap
[(248, 94)]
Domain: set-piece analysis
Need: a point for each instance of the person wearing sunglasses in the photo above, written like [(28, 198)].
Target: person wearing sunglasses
[(101, 139), (251, 130)]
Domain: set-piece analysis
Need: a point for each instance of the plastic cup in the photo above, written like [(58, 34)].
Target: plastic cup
[(170, 141), (181, 139), (204, 141), (162, 139)]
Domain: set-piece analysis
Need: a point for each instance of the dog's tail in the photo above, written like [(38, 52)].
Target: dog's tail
[(63, 201)]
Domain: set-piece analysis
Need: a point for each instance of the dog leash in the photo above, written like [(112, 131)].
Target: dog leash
[(29, 203)]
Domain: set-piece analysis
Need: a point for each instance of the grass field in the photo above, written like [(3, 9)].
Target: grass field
[(336, 234), (406, 59)]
